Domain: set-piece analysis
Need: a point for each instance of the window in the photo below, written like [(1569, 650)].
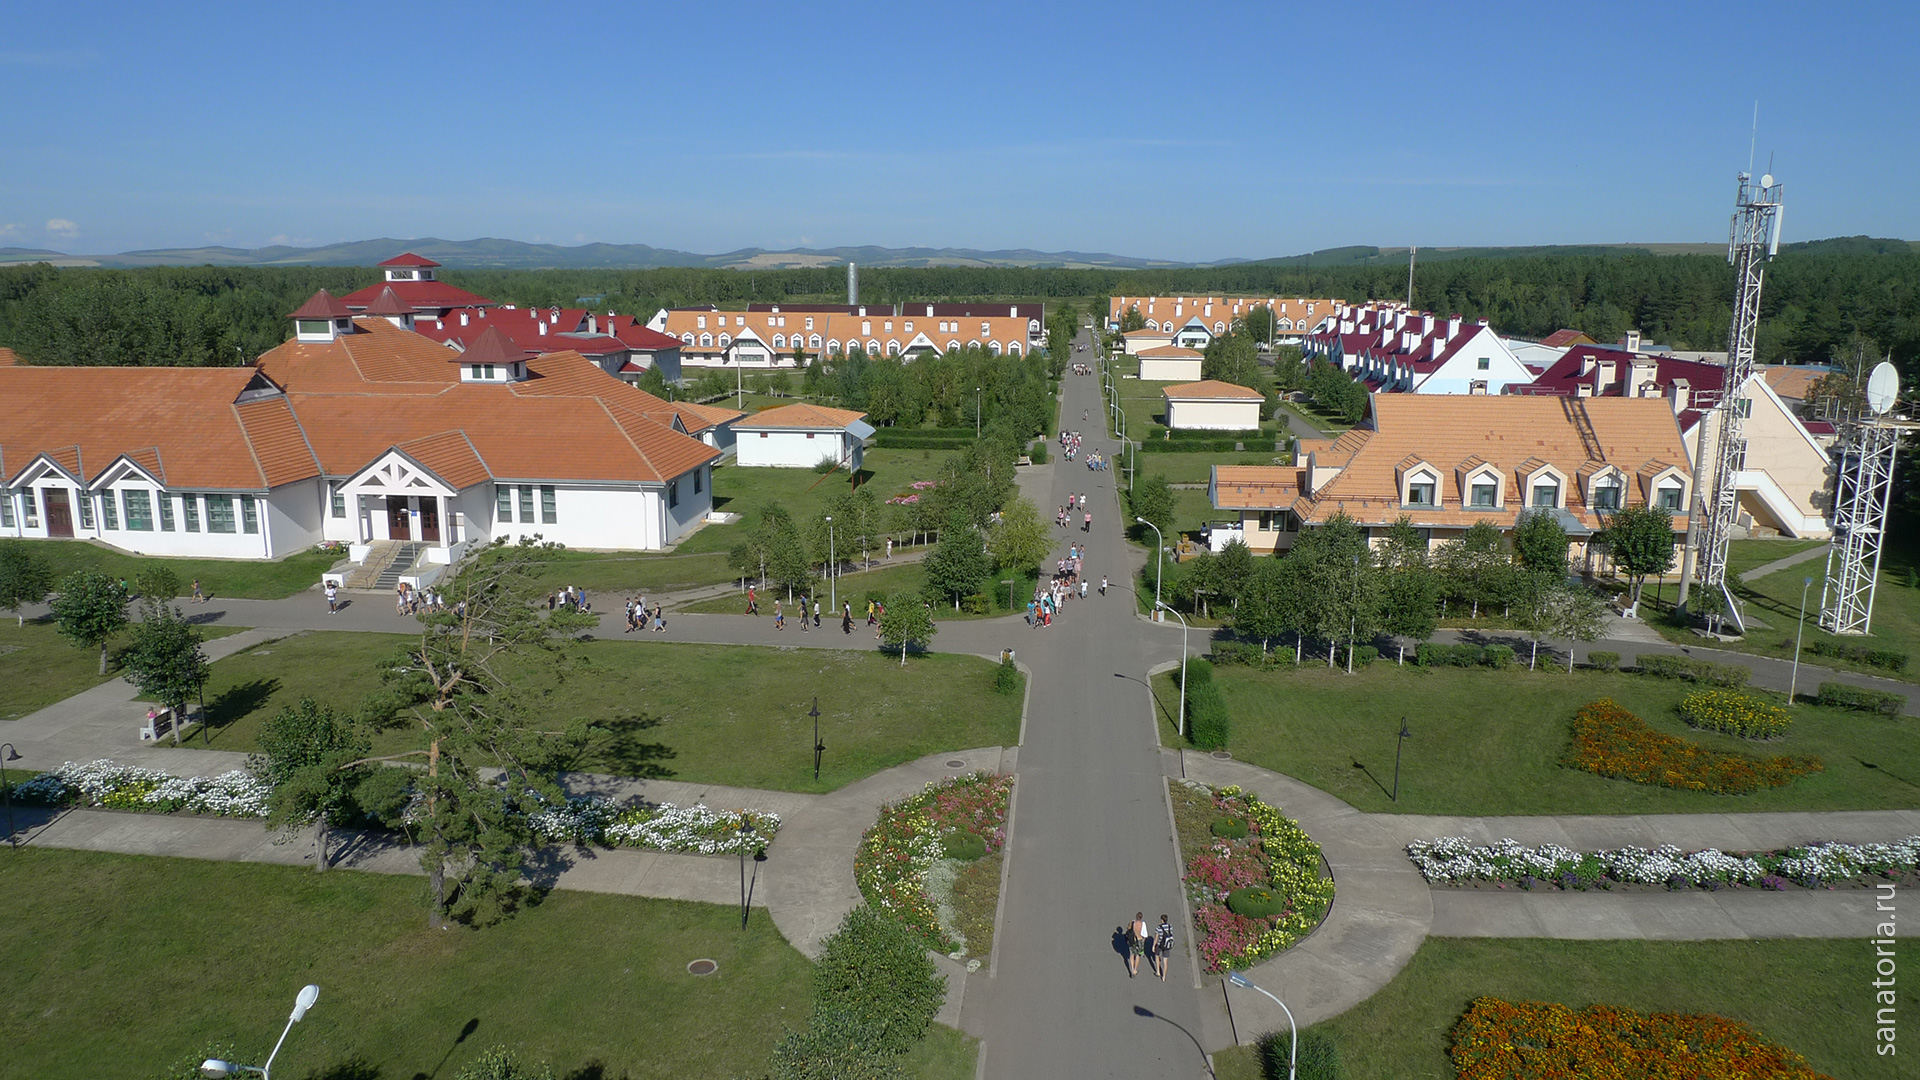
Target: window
[(166, 512), (312, 327), (813, 342), (1484, 363), (1546, 494), (549, 512), (475, 373), (6, 509), (1606, 497), (86, 510), (219, 513), (33, 509), (249, 514), (1669, 497), (673, 494), (1485, 495), (337, 497), (699, 484), (706, 341), (139, 507), (1266, 521), (1420, 492), (488, 368), (503, 503), (526, 503), (191, 503)]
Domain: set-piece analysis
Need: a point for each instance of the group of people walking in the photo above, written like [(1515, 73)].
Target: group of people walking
[(571, 599), (1155, 943), (1070, 444), (1076, 503), (407, 601), (641, 617)]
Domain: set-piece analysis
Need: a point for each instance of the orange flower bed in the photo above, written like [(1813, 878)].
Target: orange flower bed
[(1504, 1040), (1611, 741)]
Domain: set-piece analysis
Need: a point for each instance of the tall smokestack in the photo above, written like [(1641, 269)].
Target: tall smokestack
[(853, 284)]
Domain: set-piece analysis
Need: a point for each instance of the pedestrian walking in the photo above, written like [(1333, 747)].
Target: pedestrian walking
[(1083, 590), (779, 615), (806, 624), (753, 602), (197, 598), (659, 618), (846, 617), (1088, 527), (1136, 942), (872, 614), (879, 612), (333, 597), (889, 547), (1103, 584), (816, 611), (1162, 946)]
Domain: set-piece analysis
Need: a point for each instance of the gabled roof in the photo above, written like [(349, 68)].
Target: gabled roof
[(321, 305), (389, 303), (1561, 339), (409, 259), (8, 357), (437, 295), (801, 416), (1168, 334), (1171, 352), (1255, 487), (451, 456), (1211, 390), (492, 347)]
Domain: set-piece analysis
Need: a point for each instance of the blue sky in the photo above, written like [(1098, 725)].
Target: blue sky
[(1192, 131)]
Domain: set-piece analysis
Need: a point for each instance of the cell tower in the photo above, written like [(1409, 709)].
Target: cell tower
[(1754, 241), (1863, 486)]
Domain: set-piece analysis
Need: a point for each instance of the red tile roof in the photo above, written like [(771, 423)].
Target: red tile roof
[(437, 295), (490, 347), (388, 303), (409, 259), (321, 305), (801, 416)]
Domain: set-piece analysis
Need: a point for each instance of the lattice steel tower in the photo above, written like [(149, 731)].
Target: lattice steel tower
[(1862, 488), (1754, 242)]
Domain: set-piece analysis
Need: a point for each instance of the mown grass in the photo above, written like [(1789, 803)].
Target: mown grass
[(877, 584), (245, 579), (1810, 995), (39, 667), (1489, 742), (129, 964), (707, 713)]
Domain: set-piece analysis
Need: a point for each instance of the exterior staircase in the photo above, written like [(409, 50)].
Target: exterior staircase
[(384, 565)]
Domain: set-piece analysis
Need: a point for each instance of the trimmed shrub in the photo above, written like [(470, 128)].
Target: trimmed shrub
[(1006, 678), (1208, 723), (1362, 654), (1194, 434), (1734, 713), (1198, 671), (1279, 655), (1235, 653), (1497, 656), (1319, 1055), (874, 995), (1663, 666), (1610, 741), (1228, 828), (964, 846), (1431, 654), (975, 604), (1603, 661), (1841, 695), (1257, 902), (1887, 659), (1037, 453)]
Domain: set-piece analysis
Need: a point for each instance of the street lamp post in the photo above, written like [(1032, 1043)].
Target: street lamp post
[(819, 747), (1353, 614), (1800, 630), (976, 412), (1160, 543), (214, 1068), (746, 841), (1183, 665), (1293, 1058), (8, 753), (1398, 745)]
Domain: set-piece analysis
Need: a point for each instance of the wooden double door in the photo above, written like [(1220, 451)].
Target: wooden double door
[(400, 518)]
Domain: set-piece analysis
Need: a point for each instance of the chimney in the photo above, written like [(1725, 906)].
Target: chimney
[(543, 329), (439, 324), (593, 324), (1682, 394), (1453, 326), (1426, 324), (1633, 341), (463, 318), (483, 313), (1606, 377), (1586, 363), (853, 284), (929, 311), (863, 312)]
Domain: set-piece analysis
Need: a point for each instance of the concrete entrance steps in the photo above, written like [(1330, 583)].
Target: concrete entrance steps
[(383, 565)]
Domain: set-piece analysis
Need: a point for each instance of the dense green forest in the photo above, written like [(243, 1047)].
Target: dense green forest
[(1814, 302)]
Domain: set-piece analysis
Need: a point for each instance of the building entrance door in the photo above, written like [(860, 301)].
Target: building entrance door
[(430, 519), (59, 514), (399, 522)]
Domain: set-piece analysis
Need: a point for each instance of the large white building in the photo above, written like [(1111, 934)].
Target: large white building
[(768, 338), (359, 431), (1396, 350), (802, 436)]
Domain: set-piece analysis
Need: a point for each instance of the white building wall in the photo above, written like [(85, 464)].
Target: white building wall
[(690, 506), (1459, 374), (1213, 415), (1170, 370), (625, 518), (790, 449), (293, 516)]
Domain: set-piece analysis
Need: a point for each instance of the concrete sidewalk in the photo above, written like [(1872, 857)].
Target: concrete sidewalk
[(1693, 915)]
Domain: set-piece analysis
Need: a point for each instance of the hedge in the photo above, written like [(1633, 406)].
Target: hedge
[(1663, 666), (874, 995), (1247, 654), (1362, 655), (1499, 656), (1430, 654), (1192, 434), (1198, 671), (1208, 722), (1843, 696), (895, 439), (1603, 661), (1205, 446), (1887, 659)]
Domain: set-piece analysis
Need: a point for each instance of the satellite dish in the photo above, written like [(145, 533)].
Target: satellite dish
[(1766, 181), (1883, 387)]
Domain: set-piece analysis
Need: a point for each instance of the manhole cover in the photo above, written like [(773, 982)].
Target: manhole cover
[(1223, 755), (956, 763), (702, 967)]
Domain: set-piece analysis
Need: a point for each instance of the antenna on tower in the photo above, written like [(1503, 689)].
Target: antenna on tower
[(853, 285)]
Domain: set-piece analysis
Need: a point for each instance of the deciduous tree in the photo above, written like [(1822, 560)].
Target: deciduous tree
[(25, 578), (313, 757), (165, 660), (907, 620), (1021, 538), (1639, 539), (90, 609)]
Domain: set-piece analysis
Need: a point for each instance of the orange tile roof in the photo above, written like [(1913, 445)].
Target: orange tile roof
[(801, 416), (1513, 434), (8, 357), (450, 456), (1790, 381), (1210, 390), (184, 417), (1223, 308), (1256, 487), (1169, 352)]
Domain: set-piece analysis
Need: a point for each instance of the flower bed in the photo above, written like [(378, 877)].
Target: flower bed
[(125, 787), (694, 830), (1613, 742), (1505, 1040), (1734, 713), (1275, 853), (897, 855), (1453, 860)]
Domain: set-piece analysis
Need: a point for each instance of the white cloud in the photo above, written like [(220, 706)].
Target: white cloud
[(8, 228), (62, 228)]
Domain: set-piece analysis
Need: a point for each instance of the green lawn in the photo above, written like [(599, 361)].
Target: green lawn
[(625, 572), (246, 579), (130, 964), (879, 583), (1744, 555), (1487, 742), (1812, 996), (803, 492), (39, 667), (705, 713), (1198, 468)]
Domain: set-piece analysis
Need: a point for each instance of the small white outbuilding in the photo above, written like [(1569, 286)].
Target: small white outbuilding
[(1212, 405)]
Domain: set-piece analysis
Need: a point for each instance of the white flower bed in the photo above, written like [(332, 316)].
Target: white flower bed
[(103, 783), (1454, 859), (693, 829)]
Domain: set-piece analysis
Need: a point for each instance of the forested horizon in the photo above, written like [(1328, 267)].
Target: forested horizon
[(1814, 306)]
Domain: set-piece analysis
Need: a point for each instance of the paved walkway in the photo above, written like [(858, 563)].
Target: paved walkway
[(1819, 551)]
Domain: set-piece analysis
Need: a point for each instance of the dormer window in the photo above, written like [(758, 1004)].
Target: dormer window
[(1668, 497), (1420, 492), (1546, 494), (1606, 496), (1483, 495), (312, 327)]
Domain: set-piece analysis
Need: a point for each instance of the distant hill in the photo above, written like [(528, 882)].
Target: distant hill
[(493, 253)]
